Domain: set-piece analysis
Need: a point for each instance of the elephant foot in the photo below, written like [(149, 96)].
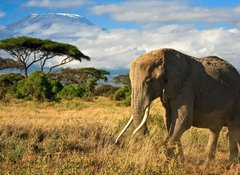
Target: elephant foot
[(174, 152), (232, 162)]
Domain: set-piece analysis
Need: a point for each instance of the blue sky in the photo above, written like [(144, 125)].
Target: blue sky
[(195, 27)]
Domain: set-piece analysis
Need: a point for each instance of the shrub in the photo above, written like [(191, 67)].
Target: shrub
[(56, 86), (70, 91), (36, 87), (8, 83), (90, 87), (105, 90), (123, 95)]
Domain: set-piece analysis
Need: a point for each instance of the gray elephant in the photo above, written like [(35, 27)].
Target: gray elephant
[(200, 92)]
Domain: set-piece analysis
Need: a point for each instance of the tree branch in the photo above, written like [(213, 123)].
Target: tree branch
[(64, 61)]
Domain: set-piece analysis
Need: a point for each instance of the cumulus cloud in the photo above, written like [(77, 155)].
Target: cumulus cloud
[(2, 14), (116, 49), (154, 11), (56, 3)]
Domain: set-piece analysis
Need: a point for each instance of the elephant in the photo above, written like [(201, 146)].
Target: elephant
[(199, 92)]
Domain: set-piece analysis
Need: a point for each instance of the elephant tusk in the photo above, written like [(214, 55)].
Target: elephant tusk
[(124, 129), (143, 120)]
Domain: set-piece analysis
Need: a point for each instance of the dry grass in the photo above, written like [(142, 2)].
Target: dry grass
[(76, 137)]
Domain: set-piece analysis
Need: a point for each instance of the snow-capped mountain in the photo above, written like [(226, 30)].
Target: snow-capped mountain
[(58, 26)]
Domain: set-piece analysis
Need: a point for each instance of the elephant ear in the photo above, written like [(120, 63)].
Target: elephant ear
[(177, 71)]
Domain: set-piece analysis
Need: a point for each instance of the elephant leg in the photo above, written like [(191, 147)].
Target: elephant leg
[(212, 143), (174, 142), (183, 123), (233, 141), (234, 138), (181, 118), (168, 124)]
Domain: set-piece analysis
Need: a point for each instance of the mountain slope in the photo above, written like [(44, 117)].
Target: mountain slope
[(58, 26)]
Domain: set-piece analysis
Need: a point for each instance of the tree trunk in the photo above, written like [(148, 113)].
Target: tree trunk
[(25, 71)]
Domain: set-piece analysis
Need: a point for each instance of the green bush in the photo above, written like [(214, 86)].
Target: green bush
[(10, 79), (36, 87), (105, 90), (123, 95), (56, 86), (90, 88), (71, 91), (8, 84)]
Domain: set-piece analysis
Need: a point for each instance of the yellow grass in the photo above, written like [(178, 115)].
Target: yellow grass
[(48, 115), (77, 137)]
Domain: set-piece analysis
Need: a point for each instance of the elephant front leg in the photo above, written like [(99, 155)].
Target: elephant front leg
[(182, 123), (174, 141), (181, 120), (212, 143)]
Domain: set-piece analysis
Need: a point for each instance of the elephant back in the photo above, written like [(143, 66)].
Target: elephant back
[(220, 70)]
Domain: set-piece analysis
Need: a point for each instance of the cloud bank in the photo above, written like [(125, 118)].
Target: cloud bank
[(56, 3), (154, 11), (117, 48)]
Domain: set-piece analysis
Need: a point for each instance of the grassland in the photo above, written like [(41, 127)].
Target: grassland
[(77, 137)]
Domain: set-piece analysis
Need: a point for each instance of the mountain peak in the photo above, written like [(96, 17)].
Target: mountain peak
[(56, 26), (57, 14)]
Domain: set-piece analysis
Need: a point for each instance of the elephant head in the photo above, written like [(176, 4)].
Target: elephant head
[(159, 73)]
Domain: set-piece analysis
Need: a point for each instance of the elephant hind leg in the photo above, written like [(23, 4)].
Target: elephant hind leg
[(212, 143), (234, 141)]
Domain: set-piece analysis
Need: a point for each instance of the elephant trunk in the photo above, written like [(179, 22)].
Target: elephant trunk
[(143, 122), (140, 110)]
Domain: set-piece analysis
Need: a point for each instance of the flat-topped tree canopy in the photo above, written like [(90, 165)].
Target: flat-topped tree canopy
[(29, 51), (7, 63), (79, 76)]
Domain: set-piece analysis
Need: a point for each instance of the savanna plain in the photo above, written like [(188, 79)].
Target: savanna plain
[(77, 137)]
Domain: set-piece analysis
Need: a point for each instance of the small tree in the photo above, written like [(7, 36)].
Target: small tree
[(7, 63), (122, 80), (106, 90), (71, 91), (123, 95), (81, 76), (29, 51), (36, 87), (90, 87), (8, 84)]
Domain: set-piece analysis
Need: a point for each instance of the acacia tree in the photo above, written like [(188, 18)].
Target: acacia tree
[(79, 76), (122, 80), (7, 63), (29, 51)]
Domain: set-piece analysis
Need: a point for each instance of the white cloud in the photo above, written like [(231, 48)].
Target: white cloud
[(2, 14), (153, 11), (117, 48), (56, 3)]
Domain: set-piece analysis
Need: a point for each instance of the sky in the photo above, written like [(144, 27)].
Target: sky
[(195, 27)]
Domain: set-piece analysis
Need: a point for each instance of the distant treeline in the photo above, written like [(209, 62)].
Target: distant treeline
[(65, 84)]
